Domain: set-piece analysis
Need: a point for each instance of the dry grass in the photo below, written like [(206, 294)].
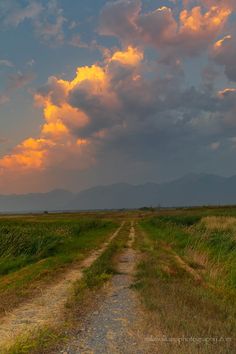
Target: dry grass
[(198, 258), (219, 223)]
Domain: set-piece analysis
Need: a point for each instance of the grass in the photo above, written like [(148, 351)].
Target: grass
[(189, 314), (35, 250), (40, 341), (204, 242), (83, 297), (215, 237), (219, 223), (25, 242)]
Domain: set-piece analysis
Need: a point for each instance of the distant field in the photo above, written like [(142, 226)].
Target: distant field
[(35, 249), (187, 278)]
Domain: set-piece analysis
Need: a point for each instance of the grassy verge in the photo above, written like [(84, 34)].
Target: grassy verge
[(82, 300), (35, 251), (185, 314), (41, 341)]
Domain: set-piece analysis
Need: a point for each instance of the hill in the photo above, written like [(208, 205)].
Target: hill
[(190, 190)]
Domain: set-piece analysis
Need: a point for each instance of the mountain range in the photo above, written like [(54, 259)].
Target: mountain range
[(190, 190)]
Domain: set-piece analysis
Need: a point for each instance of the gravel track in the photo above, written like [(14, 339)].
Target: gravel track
[(117, 326)]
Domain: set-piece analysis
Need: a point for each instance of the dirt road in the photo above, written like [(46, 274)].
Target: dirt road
[(116, 327), (46, 309)]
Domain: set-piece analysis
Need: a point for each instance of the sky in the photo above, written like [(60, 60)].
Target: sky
[(99, 92)]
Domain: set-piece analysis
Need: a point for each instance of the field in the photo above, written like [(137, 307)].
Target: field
[(184, 278)]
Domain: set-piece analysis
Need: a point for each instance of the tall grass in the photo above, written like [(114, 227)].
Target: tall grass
[(215, 236), (22, 242), (37, 250), (209, 237)]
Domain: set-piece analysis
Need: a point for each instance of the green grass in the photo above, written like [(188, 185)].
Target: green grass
[(104, 267), (178, 305), (186, 232), (25, 242)]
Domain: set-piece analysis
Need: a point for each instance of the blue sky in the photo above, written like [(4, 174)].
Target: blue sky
[(173, 91)]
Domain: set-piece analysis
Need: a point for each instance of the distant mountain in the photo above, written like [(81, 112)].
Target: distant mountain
[(54, 200), (190, 190)]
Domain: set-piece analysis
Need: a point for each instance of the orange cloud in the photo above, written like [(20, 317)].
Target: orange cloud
[(195, 21), (132, 56), (30, 154), (203, 27), (93, 75), (191, 33), (220, 43), (229, 4), (226, 92), (56, 129), (61, 118), (60, 141)]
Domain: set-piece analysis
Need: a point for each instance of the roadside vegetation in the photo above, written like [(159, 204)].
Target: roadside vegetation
[(35, 250), (187, 281)]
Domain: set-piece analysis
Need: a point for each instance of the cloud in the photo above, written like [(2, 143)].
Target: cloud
[(188, 35), (40, 154), (76, 41), (115, 105), (230, 4), (76, 115), (223, 52), (7, 63), (18, 80), (132, 56), (14, 82), (127, 105), (198, 29), (47, 19), (158, 27), (29, 154), (228, 106), (16, 14), (118, 18), (49, 26)]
